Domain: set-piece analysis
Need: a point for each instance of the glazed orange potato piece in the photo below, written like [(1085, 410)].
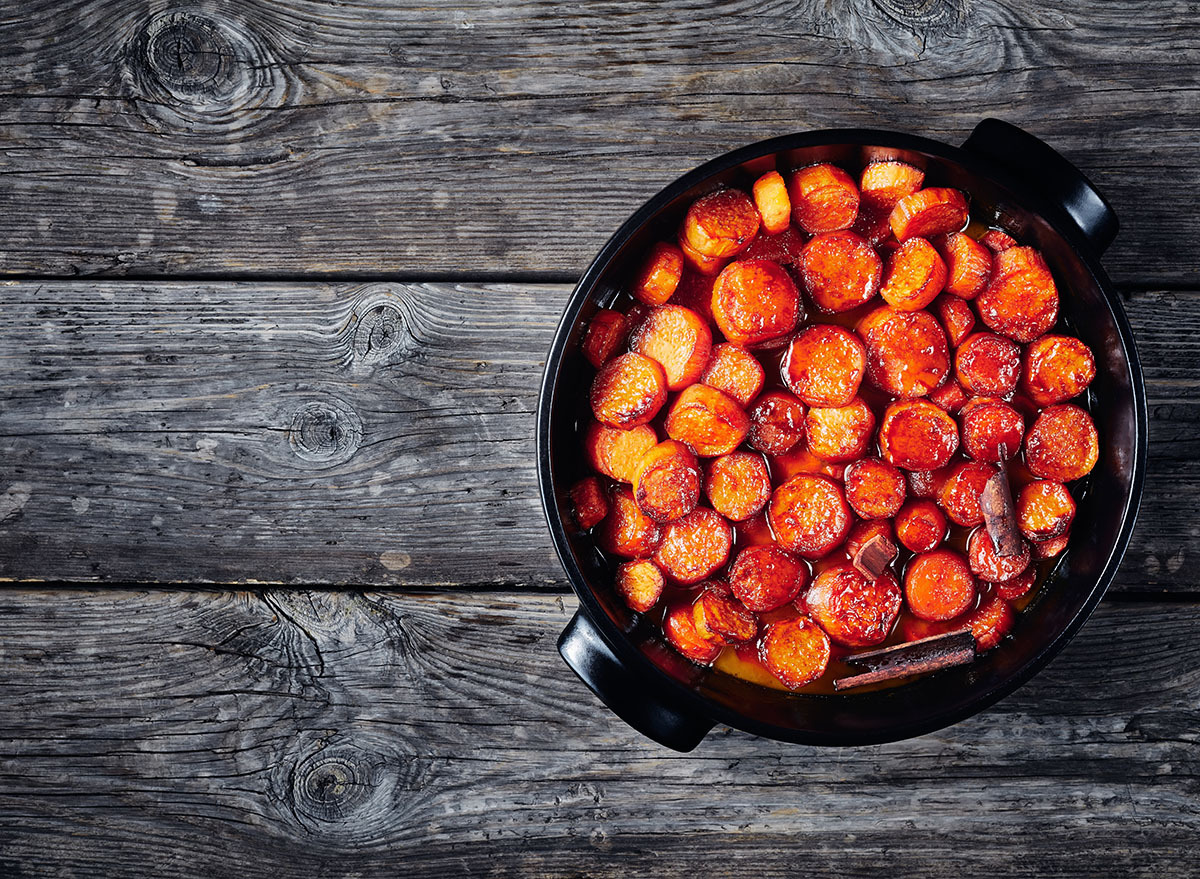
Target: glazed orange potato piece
[(801, 402)]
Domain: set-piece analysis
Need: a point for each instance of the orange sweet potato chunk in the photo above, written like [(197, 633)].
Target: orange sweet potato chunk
[(968, 265), (907, 352), (695, 546), (659, 274), (709, 421), (853, 611), (1021, 300), (588, 502), (939, 585), (616, 452), (640, 584), (824, 198), (776, 423), (839, 434), (796, 651), (766, 577), (914, 276), (883, 183), (628, 390), (666, 483), (840, 271), (874, 488), (1063, 444), (771, 199), (721, 224), (825, 365), (917, 435), (809, 515), (930, 212), (738, 485), (606, 333), (755, 301), (735, 371), (679, 339), (1056, 369)]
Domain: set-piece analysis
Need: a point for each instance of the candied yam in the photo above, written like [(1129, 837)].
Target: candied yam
[(765, 578), (914, 628), (874, 488), (824, 198), (991, 430), (796, 651), (679, 339), (990, 622), (961, 491), (640, 584), (920, 525), (950, 396), (659, 274), (914, 276), (1018, 587), (628, 391), (616, 452), (824, 366), (776, 423), (917, 435), (926, 483), (721, 224), (721, 618), (606, 333), (666, 483), (968, 265), (1048, 549), (738, 485), (839, 434), (706, 266), (853, 611), (864, 532), (988, 365), (755, 301), (1062, 445), (956, 317), (1056, 369), (1021, 300), (987, 564), (997, 240), (840, 271), (939, 585), (872, 224), (771, 199), (679, 628), (627, 531), (589, 506), (694, 546), (734, 370), (809, 515), (709, 421), (929, 212), (907, 353), (883, 183), (1045, 510), (784, 248)]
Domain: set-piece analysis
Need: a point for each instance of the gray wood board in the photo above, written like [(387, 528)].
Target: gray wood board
[(377, 434), (480, 138), (292, 734)]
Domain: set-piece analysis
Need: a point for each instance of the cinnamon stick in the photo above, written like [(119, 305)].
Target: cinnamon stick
[(911, 658), (874, 556), (1000, 515)]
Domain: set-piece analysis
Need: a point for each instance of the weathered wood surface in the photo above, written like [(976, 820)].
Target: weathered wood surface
[(378, 434), (338, 734), (308, 137)]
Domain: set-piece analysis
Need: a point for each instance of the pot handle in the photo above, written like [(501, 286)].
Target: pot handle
[(654, 712), (1045, 169)]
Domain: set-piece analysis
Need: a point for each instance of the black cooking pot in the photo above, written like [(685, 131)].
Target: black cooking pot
[(1017, 182)]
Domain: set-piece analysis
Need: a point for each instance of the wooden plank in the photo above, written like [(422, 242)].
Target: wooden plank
[(296, 734), (412, 138), (377, 434)]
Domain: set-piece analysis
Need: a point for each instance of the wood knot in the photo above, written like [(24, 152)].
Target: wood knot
[(924, 16), (325, 432), (379, 333), (380, 328), (330, 787)]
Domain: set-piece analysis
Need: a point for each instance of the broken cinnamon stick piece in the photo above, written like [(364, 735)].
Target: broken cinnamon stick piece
[(912, 658), (874, 556), (1000, 515)]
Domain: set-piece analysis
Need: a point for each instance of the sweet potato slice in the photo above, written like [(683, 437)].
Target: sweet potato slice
[(914, 276), (784, 248), (679, 628), (628, 391), (765, 577), (990, 622), (1045, 510), (949, 396), (929, 212), (640, 584), (796, 651), (968, 265), (956, 316), (987, 564), (1056, 369), (666, 483), (679, 339), (907, 353), (695, 546), (885, 182), (997, 240), (605, 334), (616, 452), (824, 198), (920, 525), (824, 366), (961, 491), (1018, 587), (1063, 444), (988, 365), (734, 370), (864, 532), (991, 429), (1048, 549), (917, 435), (809, 515), (721, 224), (939, 585), (926, 483), (589, 505), (627, 531), (659, 274), (839, 434), (771, 199), (1021, 300), (706, 266), (776, 423), (721, 618), (738, 485), (755, 301), (853, 611), (874, 488), (840, 271), (709, 421)]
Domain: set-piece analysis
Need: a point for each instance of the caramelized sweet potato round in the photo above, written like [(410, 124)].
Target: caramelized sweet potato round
[(853, 611), (988, 365), (1045, 510), (659, 274), (990, 622), (628, 391), (997, 240), (694, 546), (616, 452), (840, 271), (961, 491), (841, 434), (755, 301), (796, 651), (866, 530), (627, 531), (734, 370), (920, 525), (606, 333), (666, 483), (809, 515), (679, 339), (824, 366), (771, 199), (991, 429), (1056, 369), (907, 354), (721, 618), (709, 421), (939, 585), (765, 577), (968, 265), (949, 396), (705, 266), (1062, 445), (1048, 549), (721, 224), (874, 488), (956, 316), (926, 483), (589, 505), (1021, 300), (738, 485), (885, 182), (640, 584), (987, 564), (929, 212), (917, 435), (824, 198), (1018, 587), (776, 423), (784, 248), (914, 276), (679, 628)]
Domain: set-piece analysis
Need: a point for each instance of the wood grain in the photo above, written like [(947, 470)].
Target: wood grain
[(269, 139), (358, 434), (334, 734)]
